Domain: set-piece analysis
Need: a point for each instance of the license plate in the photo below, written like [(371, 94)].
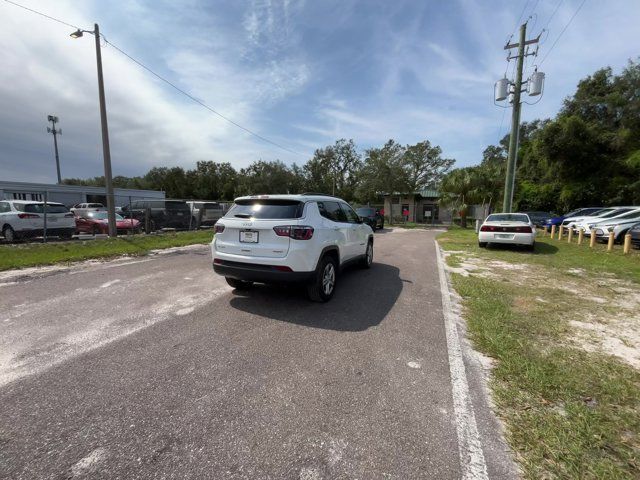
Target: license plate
[(503, 235), (180, 214), (52, 219), (247, 236)]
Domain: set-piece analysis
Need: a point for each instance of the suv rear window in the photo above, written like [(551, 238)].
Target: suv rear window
[(266, 209), (39, 208), (366, 212)]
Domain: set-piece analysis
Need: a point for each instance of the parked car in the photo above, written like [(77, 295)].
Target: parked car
[(211, 213), (304, 238), (25, 219), (371, 217), (557, 221), (81, 208), (539, 218), (603, 215), (162, 213), (635, 235), (619, 225), (98, 222), (507, 228)]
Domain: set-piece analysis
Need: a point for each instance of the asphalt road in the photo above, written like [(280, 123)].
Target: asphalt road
[(155, 368)]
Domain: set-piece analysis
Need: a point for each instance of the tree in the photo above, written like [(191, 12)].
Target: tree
[(424, 166), (334, 169), (382, 172), (461, 188), (265, 177)]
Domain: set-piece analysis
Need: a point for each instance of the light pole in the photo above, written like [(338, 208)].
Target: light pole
[(53, 119), (106, 152)]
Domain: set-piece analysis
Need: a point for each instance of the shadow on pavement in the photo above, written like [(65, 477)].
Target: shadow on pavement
[(363, 298)]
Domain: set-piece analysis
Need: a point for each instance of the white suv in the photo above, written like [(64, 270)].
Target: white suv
[(25, 218), (290, 238)]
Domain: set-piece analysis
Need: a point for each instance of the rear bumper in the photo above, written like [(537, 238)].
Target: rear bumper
[(514, 238), (259, 273)]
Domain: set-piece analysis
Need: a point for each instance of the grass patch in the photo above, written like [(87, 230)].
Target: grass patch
[(569, 413), (35, 254), (554, 254)]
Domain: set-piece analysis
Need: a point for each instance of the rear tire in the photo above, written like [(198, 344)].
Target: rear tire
[(9, 234), (323, 284), (238, 284), (532, 247), (482, 244)]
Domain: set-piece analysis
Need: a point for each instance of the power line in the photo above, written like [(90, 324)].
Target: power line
[(553, 14), (188, 95), (42, 14), (563, 30), (199, 102), (518, 21)]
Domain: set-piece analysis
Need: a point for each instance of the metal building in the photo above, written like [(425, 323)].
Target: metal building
[(71, 194)]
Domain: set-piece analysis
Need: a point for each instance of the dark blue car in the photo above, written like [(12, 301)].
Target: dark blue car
[(583, 212)]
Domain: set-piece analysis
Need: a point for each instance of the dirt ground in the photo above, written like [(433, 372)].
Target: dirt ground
[(604, 312)]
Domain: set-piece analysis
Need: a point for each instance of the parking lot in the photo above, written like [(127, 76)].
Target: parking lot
[(155, 368)]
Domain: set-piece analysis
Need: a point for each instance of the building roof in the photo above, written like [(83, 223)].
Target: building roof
[(425, 192)]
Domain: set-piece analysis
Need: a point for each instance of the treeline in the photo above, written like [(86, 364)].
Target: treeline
[(338, 169), (588, 155)]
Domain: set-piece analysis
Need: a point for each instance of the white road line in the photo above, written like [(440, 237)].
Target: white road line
[(472, 463)]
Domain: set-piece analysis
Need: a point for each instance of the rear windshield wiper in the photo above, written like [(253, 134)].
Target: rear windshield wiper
[(243, 215)]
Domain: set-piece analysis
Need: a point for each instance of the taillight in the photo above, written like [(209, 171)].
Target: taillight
[(28, 215), (294, 231), (218, 228), (493, 228)]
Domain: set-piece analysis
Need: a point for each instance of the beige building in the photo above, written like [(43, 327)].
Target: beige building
[(419, 207)]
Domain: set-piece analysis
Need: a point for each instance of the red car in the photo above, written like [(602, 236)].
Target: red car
[(97, 222)]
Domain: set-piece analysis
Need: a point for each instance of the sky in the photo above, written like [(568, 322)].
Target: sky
[(302, 74)]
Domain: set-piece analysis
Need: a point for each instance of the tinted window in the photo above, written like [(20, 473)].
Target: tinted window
[(366, 212), (94, 205), (352, 217), (507, 217), (39, 208), (266, 209), (332, 211), (173, 205)]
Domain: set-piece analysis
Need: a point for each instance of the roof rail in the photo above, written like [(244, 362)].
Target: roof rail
[(320, 194)]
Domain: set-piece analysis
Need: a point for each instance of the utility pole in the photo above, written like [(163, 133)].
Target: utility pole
[(106, 152), (509, 183), (53, 119)]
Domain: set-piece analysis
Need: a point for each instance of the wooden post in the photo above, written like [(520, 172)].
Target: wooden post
[(611, 240), (560, 232), (553, 231), (570, 237), (627, 244), (592, 240), (147, 221), (580, 236)]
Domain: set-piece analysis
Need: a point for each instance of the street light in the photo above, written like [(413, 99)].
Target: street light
[(111, 210)]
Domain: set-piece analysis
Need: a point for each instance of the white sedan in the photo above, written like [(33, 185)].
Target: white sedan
[(509, 228)]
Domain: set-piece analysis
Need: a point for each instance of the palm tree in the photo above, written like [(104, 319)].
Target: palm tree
[(461, 188)]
